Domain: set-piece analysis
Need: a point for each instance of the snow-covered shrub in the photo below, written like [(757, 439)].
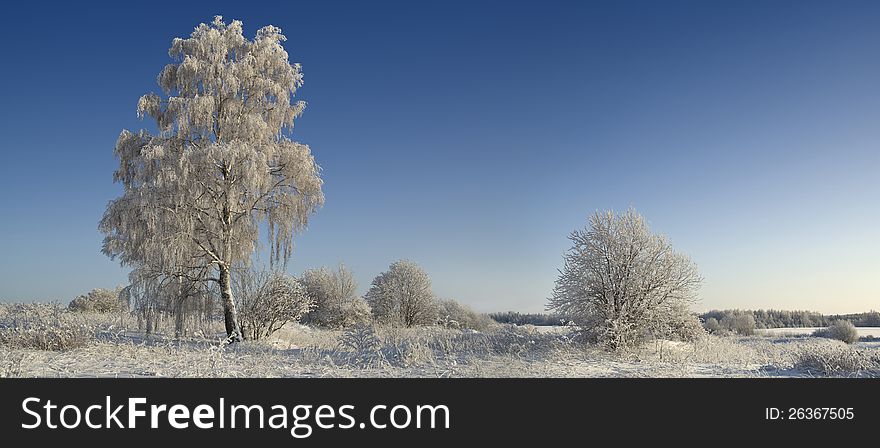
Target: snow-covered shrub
[(453, 314), (414, 352), (742, 324), (842, 330), (99, 300), (267, 301), (406, 347), (44, 327), (402, 296), (512, 340), (334, 293), (361, 347), (683, 326), (712, 326)]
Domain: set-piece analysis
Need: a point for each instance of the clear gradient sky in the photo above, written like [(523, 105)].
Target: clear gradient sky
[(473, 136)]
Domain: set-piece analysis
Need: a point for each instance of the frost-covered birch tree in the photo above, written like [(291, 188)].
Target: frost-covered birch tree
[(220, 164), (622, 283)]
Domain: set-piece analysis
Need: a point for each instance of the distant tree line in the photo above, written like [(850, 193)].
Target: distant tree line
[(513, 317), (869, 319), (792, 319)]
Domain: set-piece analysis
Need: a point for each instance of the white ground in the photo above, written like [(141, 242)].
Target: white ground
[(298, 351), (806, 331)]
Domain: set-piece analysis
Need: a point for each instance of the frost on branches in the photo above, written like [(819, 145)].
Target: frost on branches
[(621, 283), (220, 164), (402, 296)]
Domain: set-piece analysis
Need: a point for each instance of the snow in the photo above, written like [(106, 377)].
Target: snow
[(299, 351), (806, 331)]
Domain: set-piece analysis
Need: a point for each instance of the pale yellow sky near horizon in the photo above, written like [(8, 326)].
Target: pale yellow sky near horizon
[(825, 282)]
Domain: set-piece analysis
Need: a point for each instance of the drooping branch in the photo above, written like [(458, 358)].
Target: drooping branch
[(222, 162)]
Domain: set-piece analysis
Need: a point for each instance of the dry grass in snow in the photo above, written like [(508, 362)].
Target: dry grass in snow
[(52, 342)]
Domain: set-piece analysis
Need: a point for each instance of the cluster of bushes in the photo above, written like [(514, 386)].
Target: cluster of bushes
[(265, 299), (43, 326), (52, 326), (453, 314), (743, 323), (731, 322), (327, 298), (336, 303), (100, 300)]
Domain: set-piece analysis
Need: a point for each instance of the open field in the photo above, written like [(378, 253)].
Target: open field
[(425, 357), (94, 345), (864, 332)]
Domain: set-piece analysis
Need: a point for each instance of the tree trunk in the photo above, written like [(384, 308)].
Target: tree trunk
[(178, 310), (230, 315)]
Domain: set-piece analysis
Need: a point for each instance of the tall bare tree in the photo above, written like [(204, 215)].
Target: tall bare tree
[(621, 282), (221, 163)]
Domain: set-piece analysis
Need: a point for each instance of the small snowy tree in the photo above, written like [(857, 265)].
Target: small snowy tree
[(402, 296), (621, 283), (221, 163), (741, 323), (337, 304)]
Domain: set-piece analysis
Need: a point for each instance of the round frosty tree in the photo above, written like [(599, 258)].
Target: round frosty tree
[(621, 282)]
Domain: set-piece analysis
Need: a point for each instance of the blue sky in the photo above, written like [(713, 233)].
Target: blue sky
[(472, 137)]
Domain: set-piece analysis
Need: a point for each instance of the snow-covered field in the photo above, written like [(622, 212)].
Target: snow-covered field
[(303, 352), (46, 342), (806, 331)]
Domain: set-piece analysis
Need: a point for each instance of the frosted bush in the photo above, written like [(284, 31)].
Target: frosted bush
[(453, 314), (99, 300), (742, 324), (361, 347), (842, 330), (712, 326), (334, 293), (44, 327), (267, 301)]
